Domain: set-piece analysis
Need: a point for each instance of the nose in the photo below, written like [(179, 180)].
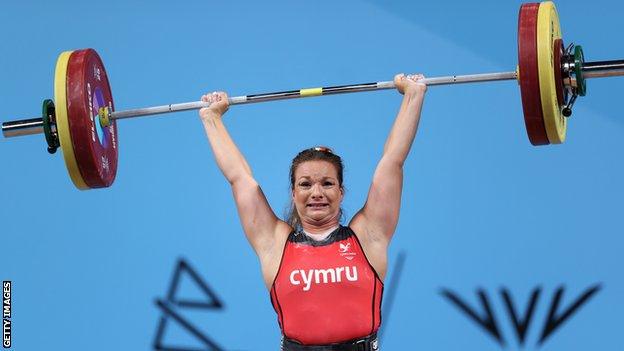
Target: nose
[(317, 191)]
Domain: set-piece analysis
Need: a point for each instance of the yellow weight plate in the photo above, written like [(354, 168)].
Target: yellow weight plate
[(62, 121), (548, 31)]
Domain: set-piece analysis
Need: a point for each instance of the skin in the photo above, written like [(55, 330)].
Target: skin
[(316, 184)]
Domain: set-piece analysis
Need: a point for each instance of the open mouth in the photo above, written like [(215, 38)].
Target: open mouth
[(317, 206)]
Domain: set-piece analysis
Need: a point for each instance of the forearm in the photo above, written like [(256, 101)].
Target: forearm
[(229, 158), (404, 129)]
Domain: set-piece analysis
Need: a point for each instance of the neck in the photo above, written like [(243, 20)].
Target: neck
[(320, 236), (319, 229)]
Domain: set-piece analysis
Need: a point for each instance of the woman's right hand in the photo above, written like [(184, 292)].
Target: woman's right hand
[(218, 105), (411, 84)]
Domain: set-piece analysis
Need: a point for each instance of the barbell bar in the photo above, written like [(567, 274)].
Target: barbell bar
[(598, 69), (83, 120), (35, 125)]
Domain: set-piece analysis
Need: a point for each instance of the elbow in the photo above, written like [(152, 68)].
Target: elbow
[(232, 178), (242, 182), (393, 161), (240, 174)]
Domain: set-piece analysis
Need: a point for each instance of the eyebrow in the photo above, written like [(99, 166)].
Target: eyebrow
[(308, 177)]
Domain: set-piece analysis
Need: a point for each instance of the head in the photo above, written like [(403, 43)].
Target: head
[(317, 191)]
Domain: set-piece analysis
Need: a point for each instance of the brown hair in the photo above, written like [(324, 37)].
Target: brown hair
[(319, 153)]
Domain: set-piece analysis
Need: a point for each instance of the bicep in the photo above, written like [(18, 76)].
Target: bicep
[(259, 222), (380, 213)]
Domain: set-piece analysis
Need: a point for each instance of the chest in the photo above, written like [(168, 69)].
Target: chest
[(339, 265)]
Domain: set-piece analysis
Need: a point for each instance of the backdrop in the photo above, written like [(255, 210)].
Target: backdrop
[(500, 244)]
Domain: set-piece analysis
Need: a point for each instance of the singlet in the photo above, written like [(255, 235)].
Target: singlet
[(326, 291)]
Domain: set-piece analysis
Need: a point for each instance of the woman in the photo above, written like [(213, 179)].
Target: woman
[(325, 280)]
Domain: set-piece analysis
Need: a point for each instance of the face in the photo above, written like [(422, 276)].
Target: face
[(316, 193)]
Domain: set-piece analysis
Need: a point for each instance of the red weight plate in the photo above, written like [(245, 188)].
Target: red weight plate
[(557, 53), (529, 76), (95, 147)]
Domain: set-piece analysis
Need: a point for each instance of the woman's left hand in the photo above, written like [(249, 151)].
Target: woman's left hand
[(218, 105)]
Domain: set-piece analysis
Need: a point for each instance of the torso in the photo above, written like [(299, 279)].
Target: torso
[(326, 291)]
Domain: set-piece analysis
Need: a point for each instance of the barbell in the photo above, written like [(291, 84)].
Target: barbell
[(83, 120)]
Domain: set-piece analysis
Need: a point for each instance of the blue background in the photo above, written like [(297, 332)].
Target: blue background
[(482, 208)]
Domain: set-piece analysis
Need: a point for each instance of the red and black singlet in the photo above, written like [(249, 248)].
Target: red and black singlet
[(326, 291)]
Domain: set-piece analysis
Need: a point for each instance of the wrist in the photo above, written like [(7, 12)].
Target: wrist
[(211, 117), (414, 95)]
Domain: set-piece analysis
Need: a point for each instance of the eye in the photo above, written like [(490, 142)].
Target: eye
[(328, 183), (304, 184)]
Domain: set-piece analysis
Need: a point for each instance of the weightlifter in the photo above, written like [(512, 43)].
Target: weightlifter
[(325, 279)]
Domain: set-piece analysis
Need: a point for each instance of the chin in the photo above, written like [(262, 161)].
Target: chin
[(322, 217)]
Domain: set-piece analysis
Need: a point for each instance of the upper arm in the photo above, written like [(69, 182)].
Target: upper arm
[(260, 224), (379, 216)]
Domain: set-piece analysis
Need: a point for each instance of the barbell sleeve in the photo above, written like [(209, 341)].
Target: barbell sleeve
[(602, 69), (22, 127)]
